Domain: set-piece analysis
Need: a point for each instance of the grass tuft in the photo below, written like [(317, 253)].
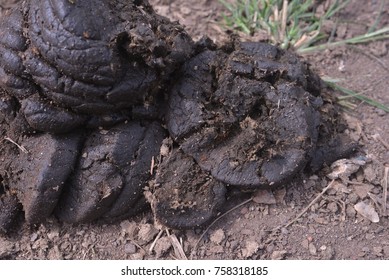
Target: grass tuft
[(344, 100), (298, 24), (294, 24)]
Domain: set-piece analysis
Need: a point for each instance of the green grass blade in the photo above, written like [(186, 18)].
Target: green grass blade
[(352, 94), (373, 36)]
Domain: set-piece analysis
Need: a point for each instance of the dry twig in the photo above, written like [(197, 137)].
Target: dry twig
[(307, 208), (155, 240), (217, 219), (152, 165), (24, 150), (177, 246), (284, 18)]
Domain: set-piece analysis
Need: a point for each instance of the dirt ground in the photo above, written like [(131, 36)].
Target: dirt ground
[(330, 228)]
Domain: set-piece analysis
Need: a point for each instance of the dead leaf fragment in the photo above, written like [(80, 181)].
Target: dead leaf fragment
[(367, 211), (344, 168)]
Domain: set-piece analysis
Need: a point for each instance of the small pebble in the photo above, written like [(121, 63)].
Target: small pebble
[(369, 236), (284, 231), (350, 211), (129, 248), (333, 207), (305, 244), (217, 236), (312, 249), (53, 234), (34, 237), (244, 210), (278, 255), (328, 254), (378, 251), (250, 249), (146, 233)]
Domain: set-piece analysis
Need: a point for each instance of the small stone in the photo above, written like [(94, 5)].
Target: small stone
[(328, 254), (129, 248), (378, 251), (53, 234), (362, 190), (284, 231), (244, 211), (332, 191), (305, 244), (340, 188), (264, 197), (312, 249), (41, 244), (350, 211), (361, 254), (129, 228), (278, 255), (165, 149), (217, 236), (333, 207), (234, 244), (250, 249), (279, 195), (372, 172), (323, 248), (34, 237), (270, 248), (353, 198), (146, 233)]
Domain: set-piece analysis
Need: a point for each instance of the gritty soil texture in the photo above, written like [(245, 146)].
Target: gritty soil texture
[(330, 228)]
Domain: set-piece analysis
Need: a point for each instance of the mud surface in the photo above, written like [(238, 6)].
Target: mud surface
[(327, 230)]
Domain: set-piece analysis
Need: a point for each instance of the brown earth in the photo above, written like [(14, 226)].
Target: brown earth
[(330, 228)]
